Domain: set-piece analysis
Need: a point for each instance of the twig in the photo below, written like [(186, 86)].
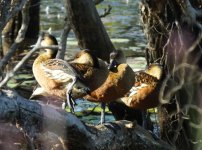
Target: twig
[(7, 12), (63, 43), (107, 11), (24, 59), (20, 37), (190, 14), (165, 46), (90, 112), (62, 143)]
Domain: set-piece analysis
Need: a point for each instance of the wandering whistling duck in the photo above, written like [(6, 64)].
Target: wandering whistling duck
[(145, 91), (105, 85), (56, 76)]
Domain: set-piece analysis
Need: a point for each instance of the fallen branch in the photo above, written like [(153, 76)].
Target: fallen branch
[(43, 124)]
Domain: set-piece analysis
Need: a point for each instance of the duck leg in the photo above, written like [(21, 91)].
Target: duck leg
[(144, 119), (102, 120), (70, 102)]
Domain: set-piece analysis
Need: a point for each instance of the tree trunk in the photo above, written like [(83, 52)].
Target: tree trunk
[(20, 32), (173, 30), (11, 29), (44, 127), (9, 9), (88, 28)]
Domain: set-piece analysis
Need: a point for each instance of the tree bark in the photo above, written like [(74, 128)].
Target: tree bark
[(33, 28), (8, 9), (88, 28), (173, 29), (44, 127)]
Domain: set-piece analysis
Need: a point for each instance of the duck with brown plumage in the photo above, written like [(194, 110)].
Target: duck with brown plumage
[(55, 76), (106, 86), (144, 93)]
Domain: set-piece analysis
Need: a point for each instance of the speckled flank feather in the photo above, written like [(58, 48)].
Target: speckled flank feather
[(144, 93), (57, 70), (143, 77)]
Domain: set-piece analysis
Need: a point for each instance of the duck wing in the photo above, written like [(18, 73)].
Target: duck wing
[(143, 80), (58, 70)]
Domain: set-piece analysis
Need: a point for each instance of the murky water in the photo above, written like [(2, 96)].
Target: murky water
[(123, 26)]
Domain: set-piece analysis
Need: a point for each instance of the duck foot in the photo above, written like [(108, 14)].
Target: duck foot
[(70, 102), (144, 119), (102, 118)]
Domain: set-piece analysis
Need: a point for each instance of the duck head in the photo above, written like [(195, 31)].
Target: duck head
[(116, 57), (86, 57), (155, 70), (49, 40)]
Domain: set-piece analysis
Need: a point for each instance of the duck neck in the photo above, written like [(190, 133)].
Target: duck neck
[(43, 57)]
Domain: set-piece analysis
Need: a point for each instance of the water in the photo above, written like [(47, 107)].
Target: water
[(123, 26)]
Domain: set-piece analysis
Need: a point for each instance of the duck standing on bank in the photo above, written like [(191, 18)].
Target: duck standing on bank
[(56, 76)]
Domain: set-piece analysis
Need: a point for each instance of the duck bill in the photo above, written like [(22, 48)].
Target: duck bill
[(112, 64)]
